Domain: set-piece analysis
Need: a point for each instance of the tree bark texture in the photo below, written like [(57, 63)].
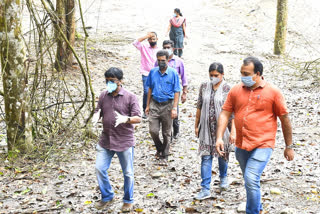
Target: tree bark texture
[(61, 45), (65, 10), (71, 28), (12, 53), (281, 27)]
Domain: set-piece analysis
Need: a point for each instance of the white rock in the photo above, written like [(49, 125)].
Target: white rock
[(156, 175), (288, 211), (275, 191), (242, 207)]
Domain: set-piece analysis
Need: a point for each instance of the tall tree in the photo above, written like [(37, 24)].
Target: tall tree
[(281, 27), (65, 10), (14, 75)]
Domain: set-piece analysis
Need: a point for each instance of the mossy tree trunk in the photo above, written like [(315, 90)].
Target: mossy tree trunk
[(65, 10), (281, 27), (14, 75)]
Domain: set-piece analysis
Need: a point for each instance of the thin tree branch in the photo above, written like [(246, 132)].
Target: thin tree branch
[(87, 63), (52, 15), (59, 103)]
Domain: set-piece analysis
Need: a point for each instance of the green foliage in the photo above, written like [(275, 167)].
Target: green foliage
[(13, 154), (150, 195), (59, 203), (25, 191)]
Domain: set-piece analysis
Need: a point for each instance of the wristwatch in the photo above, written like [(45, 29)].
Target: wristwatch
[(128, 120), (290, 146), (175, 108)]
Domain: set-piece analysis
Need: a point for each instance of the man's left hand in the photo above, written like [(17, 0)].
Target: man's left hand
[(288, 154), (174, 113), (183, 97), (232, 137), (120, 118), (220, 147)]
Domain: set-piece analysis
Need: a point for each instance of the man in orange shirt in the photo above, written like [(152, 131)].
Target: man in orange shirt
[(256, 105)]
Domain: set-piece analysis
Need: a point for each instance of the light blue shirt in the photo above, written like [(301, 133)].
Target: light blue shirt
[(165, 85)]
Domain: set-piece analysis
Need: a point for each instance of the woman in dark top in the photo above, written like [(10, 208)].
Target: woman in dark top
[(177, 28)]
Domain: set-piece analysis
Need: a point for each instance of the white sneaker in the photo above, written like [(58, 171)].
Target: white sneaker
[(203, 194)]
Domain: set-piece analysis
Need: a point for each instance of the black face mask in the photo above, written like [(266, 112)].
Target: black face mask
[(152, 44), (162, 65)]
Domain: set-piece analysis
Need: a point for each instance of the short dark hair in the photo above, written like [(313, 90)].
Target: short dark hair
[(258, 67), (155, 34), (114, 73), (216, 66), (163, 53), (165, 42)]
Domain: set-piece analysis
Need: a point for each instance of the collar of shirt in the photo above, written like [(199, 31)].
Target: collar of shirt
[(121, 92), (164, 72), (174, 58)]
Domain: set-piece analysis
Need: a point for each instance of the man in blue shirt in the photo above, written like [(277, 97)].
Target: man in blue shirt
[(176, 63), (162, 102)]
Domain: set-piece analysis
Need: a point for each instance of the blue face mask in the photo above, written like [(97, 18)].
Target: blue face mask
[(111, 86), (247, 81), (215, 80), (169, 51), (174, 15)]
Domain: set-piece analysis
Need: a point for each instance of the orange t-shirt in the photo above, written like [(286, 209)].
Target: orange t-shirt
[(255, 114)]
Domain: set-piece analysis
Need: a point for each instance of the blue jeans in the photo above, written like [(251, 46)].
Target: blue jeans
[(103, 162), (206, 168), (252, 165), (145, 92)]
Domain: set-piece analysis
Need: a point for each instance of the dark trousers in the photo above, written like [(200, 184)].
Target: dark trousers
[(145, 92), (178, 52), (160, 115), (176, 123)]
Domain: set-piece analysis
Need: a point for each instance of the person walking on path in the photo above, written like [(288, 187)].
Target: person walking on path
[(177, 28), (256, 105), (176, 63), (212, 95), (119, 110), (148, 53), (163, 96)]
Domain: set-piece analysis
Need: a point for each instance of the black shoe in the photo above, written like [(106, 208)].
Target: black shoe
[(144, 116), (176, 135), (158, 155)]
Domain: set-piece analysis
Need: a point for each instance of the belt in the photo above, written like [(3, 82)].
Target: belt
[(162, 103)]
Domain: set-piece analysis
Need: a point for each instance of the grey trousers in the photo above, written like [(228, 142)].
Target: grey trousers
[(160, 115)]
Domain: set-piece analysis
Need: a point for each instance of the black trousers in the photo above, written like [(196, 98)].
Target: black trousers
[(176, 123), (178, 52)]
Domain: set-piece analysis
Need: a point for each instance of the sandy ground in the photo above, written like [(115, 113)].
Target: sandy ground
[(225, 31)]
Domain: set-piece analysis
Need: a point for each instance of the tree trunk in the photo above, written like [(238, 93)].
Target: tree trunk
[(61, 53), (281, 27), (12, 53), (65, 10), (71, 28)]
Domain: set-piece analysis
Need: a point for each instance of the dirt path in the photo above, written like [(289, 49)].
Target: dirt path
[(225, 31)]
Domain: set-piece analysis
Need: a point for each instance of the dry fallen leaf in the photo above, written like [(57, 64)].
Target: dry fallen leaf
[(87, 202)]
